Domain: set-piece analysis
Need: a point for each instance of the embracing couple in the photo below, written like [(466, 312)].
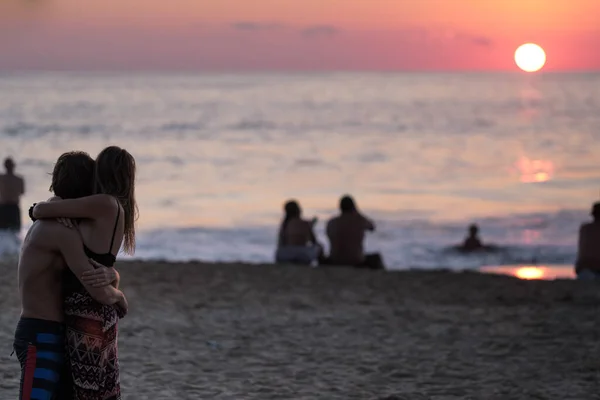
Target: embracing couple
[(66, 338)]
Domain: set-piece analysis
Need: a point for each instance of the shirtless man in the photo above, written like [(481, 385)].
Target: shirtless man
[(346, 234), (47, 250), (587, 265), (12, 187)]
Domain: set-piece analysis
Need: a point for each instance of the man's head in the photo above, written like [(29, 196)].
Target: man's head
[(596, 211), (73, 175), (347, 205), (473, 230), (9, 165)]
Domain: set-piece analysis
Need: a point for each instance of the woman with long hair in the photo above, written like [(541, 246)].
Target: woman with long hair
[(106, 223), (296, 242)]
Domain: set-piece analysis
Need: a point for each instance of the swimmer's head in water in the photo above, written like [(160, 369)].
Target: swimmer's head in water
[(473, 229), (292, 209), (347, 204), (9, 165), (73, 175), (596, 211)]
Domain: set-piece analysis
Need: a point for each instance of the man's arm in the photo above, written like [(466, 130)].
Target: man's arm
[(92, 207), (101, 276), (117, 280), (329, 229), (580, 240), (369, 225), (22, 186), (69, 243)]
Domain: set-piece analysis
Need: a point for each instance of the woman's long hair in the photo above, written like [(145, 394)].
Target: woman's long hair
[(115, 176)]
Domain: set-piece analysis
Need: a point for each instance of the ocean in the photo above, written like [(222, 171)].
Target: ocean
[(424, 155)]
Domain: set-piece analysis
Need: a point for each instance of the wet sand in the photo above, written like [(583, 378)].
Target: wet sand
[(206, 331)]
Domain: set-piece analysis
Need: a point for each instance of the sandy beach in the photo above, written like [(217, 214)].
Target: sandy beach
[(208, 331)]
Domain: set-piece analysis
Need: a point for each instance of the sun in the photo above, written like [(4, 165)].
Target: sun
[(530, 57)]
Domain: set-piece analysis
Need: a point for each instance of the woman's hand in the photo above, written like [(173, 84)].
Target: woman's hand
[(35, 211), (69, 223), (122, 306), (100, 277)]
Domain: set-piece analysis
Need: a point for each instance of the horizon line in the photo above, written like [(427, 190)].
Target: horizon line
[(259, 71)]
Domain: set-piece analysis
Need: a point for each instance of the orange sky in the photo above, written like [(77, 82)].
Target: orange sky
[(295, 34)]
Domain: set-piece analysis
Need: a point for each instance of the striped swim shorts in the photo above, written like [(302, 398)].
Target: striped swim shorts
[(40, 348)]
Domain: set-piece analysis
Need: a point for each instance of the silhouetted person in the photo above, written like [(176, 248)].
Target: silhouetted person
[(12, 187), (297, 243), (587, 265), (346, 234), (472, 241)]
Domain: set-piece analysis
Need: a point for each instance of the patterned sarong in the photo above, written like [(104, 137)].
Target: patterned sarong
[(91, 337)]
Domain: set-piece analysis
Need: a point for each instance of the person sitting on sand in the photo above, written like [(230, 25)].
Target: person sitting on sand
[(587, 265), (297, 243), (12, 187), (472, 241), (48, 251), (346, 234)]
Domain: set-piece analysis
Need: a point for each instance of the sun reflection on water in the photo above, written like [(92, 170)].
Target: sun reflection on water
[(533, 272), (529, 273)]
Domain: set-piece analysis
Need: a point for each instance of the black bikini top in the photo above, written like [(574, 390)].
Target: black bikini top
[(106, 259)]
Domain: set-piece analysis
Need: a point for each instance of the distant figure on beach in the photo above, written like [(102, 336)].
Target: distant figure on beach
[(346, 234), (12, 187), (296, 242), (587, 265), (49, 250)]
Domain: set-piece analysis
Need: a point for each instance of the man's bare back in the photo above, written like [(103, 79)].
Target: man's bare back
[(346, 234), (588, 254), (40, 275)]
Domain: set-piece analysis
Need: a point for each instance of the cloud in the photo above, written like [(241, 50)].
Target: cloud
[(320, 31), (254, 26), (442, 35), (477, 40), (466, 37)]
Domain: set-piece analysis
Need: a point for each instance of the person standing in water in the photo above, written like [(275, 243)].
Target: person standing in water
[(12, 187), (587, 265)]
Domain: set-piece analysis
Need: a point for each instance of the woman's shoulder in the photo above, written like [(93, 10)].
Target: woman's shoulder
[(307, 225), (295, 224), (104, 201), (301, 222)]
